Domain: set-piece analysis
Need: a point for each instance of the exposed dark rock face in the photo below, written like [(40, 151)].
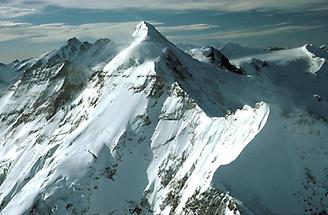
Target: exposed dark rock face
[(220, 60)]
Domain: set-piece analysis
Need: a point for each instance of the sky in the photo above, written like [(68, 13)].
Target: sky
[(30, 27)]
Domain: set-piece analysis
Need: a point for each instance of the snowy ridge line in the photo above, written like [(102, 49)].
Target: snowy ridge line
[(315, 57), (151, 130)]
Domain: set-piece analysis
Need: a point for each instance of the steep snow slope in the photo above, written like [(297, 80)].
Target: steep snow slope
[(284, 168), (154, 131), (144, 135)]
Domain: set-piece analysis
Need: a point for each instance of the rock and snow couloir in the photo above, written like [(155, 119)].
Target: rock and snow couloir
[(154, 131)]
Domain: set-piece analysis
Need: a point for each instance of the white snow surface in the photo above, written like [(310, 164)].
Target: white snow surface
[(154, 131), (283, 169)]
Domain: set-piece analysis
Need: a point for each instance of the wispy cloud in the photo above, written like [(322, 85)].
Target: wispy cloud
[(253, 32), (12, 12), (54, 32), (9, 24), (180, 28), (220, 5)]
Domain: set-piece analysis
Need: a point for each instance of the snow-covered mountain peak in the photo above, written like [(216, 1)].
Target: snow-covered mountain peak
[(144, 31), (147, 133), (72, 49), (141, 30), (93, 56), (148, 45)]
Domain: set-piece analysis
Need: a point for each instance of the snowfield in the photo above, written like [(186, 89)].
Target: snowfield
[(90, 129)]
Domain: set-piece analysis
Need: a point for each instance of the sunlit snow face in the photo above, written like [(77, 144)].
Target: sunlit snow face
[(33, 27)]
